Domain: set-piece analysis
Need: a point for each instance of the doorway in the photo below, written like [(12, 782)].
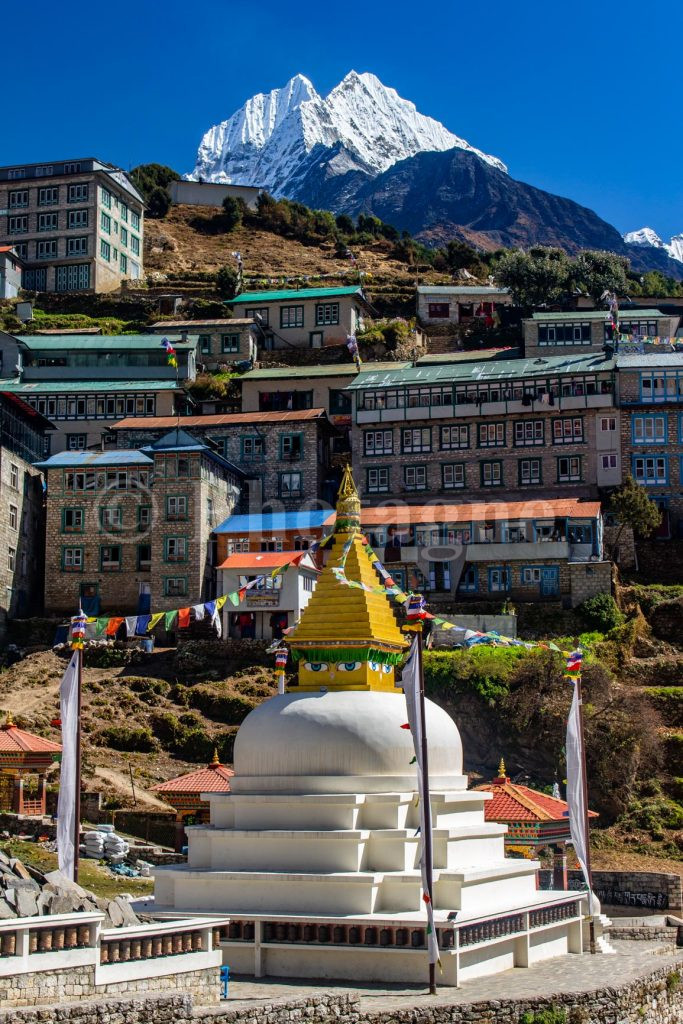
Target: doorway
[(144, 598), (316, 339)]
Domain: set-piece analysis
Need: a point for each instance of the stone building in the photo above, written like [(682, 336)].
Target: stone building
[(651, 400), (505, 427), (211, 193), (84, 383), (274, 601), (545, 549), (77, 225), (132, 529), (305, 317), (452, 304), (590, 330), (219, 342), (22, 440), (283, 456)]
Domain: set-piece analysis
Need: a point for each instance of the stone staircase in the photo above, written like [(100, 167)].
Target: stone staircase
[(603, 925)]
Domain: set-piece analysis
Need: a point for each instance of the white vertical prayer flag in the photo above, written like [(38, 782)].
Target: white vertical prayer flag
[(576, 798), (410, 680), (66, 804)]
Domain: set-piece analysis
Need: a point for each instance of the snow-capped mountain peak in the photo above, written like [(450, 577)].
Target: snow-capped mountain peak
[(649, 237), (267, 141)]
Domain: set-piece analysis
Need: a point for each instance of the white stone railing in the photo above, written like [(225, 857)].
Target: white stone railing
[(69, 941)]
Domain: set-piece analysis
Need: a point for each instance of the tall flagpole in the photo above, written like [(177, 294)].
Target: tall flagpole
[(584, 786), (77, 795), (424, 796)]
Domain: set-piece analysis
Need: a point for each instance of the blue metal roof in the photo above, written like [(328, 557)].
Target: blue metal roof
[(89, 460), (275, 522)]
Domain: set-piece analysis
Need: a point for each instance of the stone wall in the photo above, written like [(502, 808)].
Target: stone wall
[(42, 988), (656, 999), (654, 891), (589, 579)]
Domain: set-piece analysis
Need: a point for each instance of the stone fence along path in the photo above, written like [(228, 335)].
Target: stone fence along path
[(643, 984)]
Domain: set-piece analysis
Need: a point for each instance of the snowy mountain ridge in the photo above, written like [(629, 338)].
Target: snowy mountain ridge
[(267, 141), (649, 237)]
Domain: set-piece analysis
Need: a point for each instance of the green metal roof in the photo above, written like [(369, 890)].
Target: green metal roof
[(305, 372), (293, 293), (598, 314), (496, 369), (52, 387), (100, 342)]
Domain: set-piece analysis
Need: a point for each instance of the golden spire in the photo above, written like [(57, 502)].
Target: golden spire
[(348, 505), (215, 762), (348, 637), (9, 721), (501, 768)]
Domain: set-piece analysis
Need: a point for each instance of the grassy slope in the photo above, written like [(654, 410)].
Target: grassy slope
[(91, 875)]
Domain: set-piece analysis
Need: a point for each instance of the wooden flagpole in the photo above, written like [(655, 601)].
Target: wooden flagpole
[(424, 796)]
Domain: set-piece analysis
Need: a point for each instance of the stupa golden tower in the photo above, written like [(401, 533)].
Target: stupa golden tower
[(348, 638)]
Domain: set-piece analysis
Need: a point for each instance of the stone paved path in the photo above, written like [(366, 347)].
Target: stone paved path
[(564, 974)]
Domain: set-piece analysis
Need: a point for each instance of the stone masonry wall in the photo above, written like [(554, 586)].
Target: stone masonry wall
[(656, 999), (46, 987)]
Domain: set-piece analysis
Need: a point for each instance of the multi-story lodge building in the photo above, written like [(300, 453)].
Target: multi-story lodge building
[(590, 330), (77, 225), (130, 531), (304, 318), (651, 400), (514, 427), (22, 434), (530, 550), (85, 383), (284, 456), (219, 342), (439, 305), (10, 272)]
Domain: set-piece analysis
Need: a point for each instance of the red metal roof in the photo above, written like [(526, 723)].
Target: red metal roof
[(15, 740), (519, 803), (217, 419), (548, 508), (262, 559), (215, 778)]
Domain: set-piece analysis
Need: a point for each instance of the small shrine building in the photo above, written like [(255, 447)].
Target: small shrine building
[(22, 757), (184, 794)]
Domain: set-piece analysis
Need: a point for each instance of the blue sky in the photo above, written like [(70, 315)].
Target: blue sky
[(582, 98)]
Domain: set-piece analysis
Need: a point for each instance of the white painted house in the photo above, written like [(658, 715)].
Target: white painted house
[(276, 601)]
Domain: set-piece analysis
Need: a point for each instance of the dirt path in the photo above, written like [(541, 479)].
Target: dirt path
[(122, 782)]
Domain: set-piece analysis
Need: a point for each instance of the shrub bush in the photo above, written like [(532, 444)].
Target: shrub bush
[(484, 671), (601, 613), (131, 739), (230, 708)]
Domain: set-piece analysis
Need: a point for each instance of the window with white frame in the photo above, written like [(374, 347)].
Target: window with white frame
[(14, 476), (176, 506), (531, 574), (568, 430), (377, 480), (176, 549), (378, 442), (291, 316), (569, 469), (416, 439), (491, 435), (529, 472), (230, 343), (76, 442), (252, 447), (415, 478), (649, 429), (453, 475), (455, 436), (528, 432), (112, 518), (13, 517), (608, 461), (499, 579), (290, 485), (72, 559), (651, 469), (491, 474), (327, 313), (608, 424)]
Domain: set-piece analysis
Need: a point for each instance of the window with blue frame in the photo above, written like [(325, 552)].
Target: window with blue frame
[(650, 469), (580, 533), (499, 579), (469, 581), (649, 429), (661, 386)]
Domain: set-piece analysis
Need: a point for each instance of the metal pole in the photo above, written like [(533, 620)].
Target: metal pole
[(424, 796), (584, 784), (77, 795)]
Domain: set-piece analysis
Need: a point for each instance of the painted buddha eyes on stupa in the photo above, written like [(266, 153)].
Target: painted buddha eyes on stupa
[(348, 666), (377, 666), (316, 666)]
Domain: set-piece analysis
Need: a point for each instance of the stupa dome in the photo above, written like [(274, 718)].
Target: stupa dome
[(341, 741)]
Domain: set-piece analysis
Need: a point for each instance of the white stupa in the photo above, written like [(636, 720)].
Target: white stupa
[(314, 855)]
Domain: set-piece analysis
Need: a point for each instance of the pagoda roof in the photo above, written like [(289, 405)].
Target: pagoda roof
[(17, 741), (520, 803), (214, 778)]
